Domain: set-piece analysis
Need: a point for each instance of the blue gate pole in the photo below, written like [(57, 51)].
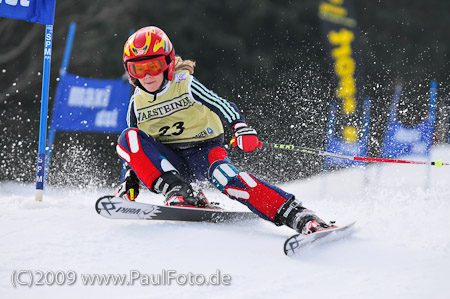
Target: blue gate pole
[(366, 126), (62, 73), (431, 120), (330, 132), (40, 168)]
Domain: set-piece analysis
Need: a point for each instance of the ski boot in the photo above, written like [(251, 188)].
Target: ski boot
[(304, 221), (178, 192)]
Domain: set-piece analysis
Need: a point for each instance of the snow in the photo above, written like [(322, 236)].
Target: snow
[(401, 247)]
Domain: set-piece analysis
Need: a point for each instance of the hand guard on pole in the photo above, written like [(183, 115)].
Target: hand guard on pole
[(245, 137), (129, 189)]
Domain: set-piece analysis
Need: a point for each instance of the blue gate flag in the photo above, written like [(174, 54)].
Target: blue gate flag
[(36, 11), (91, 105), (401, 140), (338, 146)]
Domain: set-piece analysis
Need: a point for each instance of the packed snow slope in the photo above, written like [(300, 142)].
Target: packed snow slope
[(401, 247)]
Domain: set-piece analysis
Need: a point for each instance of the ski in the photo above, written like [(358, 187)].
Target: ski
[(296, 243), (119, 208)]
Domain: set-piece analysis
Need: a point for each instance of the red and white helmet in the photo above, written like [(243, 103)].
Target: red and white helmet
[(149, 43)]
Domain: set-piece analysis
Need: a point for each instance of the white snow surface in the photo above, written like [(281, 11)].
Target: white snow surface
[(400, 249)]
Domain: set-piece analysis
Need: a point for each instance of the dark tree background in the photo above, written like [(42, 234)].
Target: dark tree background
[(266, 56)]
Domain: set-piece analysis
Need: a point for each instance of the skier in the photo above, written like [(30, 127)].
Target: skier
[(175, 135)]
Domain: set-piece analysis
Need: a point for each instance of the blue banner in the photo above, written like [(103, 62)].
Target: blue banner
[(91, 105), (36, 11), (401, 140)]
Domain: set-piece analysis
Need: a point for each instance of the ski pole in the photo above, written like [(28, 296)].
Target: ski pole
[(297, 148), (437, 163)]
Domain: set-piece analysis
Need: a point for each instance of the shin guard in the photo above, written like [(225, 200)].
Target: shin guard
[(261, 197)]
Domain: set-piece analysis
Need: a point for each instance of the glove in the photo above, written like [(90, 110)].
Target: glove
[(245, 137), (129, 189)]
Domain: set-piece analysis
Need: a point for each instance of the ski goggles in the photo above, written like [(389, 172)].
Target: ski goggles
[(154, 67)]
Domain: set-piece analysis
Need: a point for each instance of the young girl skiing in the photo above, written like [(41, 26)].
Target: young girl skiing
[(175, 138)]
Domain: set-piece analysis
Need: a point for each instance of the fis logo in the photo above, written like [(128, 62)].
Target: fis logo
[(180, 77)]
